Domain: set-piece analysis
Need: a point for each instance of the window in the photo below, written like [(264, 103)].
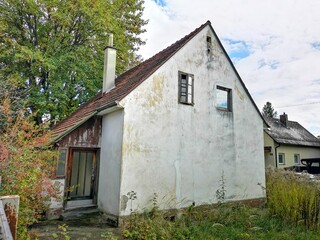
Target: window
[(223, 98), (297, 159), (186, 88), (281, 158), (61, 163)]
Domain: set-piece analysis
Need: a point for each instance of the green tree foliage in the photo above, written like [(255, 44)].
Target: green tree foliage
[(268, 110), (52, 51), (25, 168)]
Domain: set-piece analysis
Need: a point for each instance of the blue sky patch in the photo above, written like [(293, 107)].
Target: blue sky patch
[(271, 64), (316, 45), (161, 3), (237, 49)]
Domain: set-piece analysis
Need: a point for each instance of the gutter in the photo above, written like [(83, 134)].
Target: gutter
[(112, 107)]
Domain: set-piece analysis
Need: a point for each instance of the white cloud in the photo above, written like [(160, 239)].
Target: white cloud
[(282, 38)]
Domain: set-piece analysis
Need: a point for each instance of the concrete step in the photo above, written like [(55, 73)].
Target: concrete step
[(78, 213)]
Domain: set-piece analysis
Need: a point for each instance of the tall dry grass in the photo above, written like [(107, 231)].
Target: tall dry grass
[(294, 198)]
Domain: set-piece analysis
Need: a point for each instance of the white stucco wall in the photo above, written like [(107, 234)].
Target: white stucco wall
[(181, 152), (110, 162)]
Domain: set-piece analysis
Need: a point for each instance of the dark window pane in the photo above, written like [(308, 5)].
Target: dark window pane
[(183, 99), (185, 88)]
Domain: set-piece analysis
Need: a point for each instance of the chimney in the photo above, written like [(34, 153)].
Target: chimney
[(109, 69), (284, 119)]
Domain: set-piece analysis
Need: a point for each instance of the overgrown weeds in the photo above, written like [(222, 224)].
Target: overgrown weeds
[(221, 221), (292, 212), (294, 198)]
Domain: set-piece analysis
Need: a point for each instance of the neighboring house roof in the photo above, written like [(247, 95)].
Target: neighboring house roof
[(128, 81), (293, 134)]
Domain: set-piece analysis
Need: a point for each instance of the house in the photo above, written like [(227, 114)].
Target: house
[(287, 142), (175, 126)]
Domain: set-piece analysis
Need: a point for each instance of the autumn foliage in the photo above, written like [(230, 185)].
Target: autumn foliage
[(25, 164)]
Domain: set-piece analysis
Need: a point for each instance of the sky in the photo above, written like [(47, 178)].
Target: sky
[(274, 45)]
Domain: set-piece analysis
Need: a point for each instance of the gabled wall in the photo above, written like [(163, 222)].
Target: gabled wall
[(87, 135), (182, 152)]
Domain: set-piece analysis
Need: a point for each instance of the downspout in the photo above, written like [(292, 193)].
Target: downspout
[(275, 152)]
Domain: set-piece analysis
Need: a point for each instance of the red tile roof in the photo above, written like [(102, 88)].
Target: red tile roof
[(124, 84)]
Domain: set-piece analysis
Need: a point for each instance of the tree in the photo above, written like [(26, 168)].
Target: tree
[(268, 110), (52, 51), (25, 168)]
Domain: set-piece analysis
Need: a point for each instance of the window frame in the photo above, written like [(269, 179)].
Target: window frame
[(229, 98), (294, 159), (187, 94), (56, 175), (283, 157)]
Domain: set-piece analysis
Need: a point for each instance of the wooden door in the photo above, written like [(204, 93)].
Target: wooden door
[(81, 174)]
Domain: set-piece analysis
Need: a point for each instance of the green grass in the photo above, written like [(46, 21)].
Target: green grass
[(227, 221)]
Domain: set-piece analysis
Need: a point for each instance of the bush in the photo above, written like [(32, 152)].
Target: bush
[(25, 168), (294, 198)]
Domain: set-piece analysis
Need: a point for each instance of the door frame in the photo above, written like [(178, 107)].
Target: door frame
[(95, 163)]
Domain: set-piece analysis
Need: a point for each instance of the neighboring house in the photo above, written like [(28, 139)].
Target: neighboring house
[(175, 125), (287, 142)]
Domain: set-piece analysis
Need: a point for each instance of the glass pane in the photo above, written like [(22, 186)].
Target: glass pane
[(281, 158), (183, 99), (222, 99), (190, 98), (190, 89), (87, 183), (82, 169), (74, 173), (61, 162)]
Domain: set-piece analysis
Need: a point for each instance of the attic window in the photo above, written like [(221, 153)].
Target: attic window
[(224, 99), (186, 81)]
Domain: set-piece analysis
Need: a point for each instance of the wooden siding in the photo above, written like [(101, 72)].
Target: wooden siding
[(87, 135)]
